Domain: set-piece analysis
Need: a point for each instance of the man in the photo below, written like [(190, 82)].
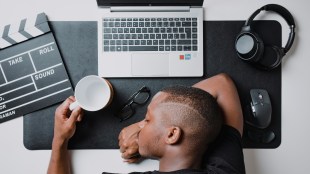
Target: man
[(181, 129)]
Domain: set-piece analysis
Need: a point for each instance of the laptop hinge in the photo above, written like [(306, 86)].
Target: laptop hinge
[(150, 9)]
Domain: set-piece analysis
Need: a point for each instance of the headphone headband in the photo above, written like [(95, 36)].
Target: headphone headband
[(282, 12)]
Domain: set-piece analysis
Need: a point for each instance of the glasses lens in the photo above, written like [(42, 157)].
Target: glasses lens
[(125, 113), (141, 97)]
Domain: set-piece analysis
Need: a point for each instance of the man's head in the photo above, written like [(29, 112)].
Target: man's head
[(179, 117)]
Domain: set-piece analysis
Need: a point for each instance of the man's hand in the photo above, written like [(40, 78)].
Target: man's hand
[(128, 142), (65, 120), (64, 129)]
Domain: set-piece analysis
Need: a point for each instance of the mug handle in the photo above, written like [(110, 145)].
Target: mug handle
[(73, 105)]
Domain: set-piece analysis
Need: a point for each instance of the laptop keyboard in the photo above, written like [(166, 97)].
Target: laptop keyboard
[(150, 34)]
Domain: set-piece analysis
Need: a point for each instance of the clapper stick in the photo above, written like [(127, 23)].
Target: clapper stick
[(32, 73)]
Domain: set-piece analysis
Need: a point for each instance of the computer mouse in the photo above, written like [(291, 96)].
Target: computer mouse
[(261, 136), (261, 109)]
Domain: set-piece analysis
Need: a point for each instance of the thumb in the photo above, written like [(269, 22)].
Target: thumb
[(74, 115)]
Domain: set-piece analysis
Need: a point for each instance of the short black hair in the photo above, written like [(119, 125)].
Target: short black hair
[(192, 103)]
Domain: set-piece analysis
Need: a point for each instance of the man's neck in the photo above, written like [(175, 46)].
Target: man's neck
[(176, 161)]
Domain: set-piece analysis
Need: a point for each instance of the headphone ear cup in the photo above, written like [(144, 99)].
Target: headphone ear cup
[(272, 57), (249, 46)]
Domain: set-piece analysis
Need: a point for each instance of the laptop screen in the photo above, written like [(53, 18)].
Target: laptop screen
[(150, 2)]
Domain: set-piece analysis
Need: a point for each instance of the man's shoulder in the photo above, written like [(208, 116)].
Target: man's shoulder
[(225, 155)]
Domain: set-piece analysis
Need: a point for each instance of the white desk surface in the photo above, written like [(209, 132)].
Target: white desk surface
[(292, 155)]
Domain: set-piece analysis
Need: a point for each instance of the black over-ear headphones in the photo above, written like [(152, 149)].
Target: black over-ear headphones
[(250, 46)]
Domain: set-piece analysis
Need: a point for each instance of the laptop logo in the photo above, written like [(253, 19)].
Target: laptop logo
[(185, 57)]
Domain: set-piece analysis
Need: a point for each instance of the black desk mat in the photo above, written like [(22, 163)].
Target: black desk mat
[(99, 130)]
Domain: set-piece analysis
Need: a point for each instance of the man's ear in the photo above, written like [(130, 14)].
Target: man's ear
[(173, 135)]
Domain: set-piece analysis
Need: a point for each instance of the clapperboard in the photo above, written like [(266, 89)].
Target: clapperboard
[(32, 73)]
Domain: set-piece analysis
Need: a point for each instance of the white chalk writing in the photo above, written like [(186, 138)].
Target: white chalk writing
[(46, 50), (15, 61), (7, 114), (44, 74)]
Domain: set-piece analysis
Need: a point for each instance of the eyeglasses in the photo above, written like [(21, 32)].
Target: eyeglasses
[(139, 98)]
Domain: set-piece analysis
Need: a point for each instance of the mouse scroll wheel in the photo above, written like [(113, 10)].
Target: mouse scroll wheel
[(260, 96)]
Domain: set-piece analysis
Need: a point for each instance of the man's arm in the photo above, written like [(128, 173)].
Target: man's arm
[(64, 129), (60, 160), (222, 88), (225, 155)]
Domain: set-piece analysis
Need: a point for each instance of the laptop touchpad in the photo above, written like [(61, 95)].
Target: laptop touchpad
[(146, 64)]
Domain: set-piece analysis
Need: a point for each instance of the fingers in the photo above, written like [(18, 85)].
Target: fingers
[(133, 160), (76, 113), (80, 111), (68, 101), (64, 107), (128, 138), (121, 143), (72, 98), (120, 136), (130, 153), (80, 117), (122, 148)]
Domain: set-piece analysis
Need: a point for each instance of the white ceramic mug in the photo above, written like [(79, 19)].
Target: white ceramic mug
[(92, 93)]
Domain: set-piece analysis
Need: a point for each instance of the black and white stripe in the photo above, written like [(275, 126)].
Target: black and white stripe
[(23, 30)]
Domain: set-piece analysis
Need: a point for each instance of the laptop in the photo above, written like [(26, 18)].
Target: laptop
[(150, 38)]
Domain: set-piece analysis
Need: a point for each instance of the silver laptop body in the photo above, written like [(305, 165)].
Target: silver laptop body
[(150, 40)]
